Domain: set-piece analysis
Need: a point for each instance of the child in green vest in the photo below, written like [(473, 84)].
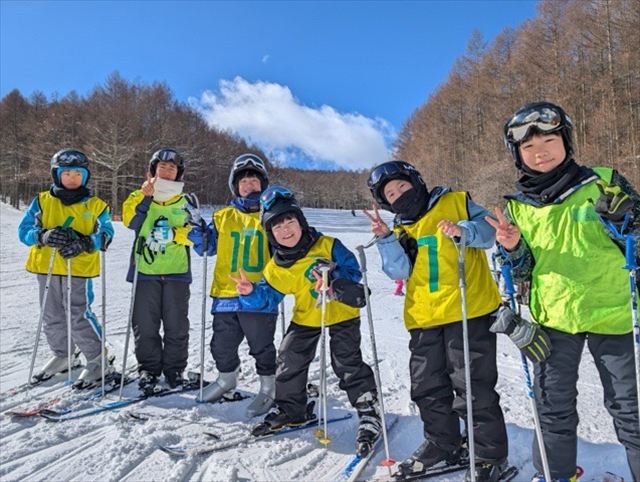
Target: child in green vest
[(421, 251), (552, 235), (52, 239), (157, 212)]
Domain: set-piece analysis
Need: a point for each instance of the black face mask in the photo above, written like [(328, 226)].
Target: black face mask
[(411, 204), (70, 196)]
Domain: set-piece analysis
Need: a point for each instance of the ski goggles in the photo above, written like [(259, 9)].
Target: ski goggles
[(72, 158), (272, 194), (392, 169), (249, 161), (544, 119), (168, 155)]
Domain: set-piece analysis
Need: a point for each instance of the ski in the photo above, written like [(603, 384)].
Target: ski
[(357, 464), (75, 396), (203, 449), (508, 475)]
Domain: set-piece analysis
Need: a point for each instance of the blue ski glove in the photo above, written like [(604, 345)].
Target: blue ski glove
[(529, 337)]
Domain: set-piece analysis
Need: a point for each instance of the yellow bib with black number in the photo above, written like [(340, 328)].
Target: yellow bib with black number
[(175, 257), (242, 243), (433, 292), (53, 214), (298, 280)]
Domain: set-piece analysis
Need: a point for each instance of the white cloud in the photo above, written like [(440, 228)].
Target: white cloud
[(268, 115), (265, 58)]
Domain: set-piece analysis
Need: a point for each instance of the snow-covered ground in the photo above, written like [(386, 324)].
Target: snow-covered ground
[(110, 446)]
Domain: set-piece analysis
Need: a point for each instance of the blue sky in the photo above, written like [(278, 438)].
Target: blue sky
[(313, 83)]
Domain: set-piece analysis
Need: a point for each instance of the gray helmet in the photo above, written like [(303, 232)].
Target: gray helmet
[(167, 155), (248, 162)]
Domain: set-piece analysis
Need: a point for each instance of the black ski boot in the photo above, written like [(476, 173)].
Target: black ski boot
[(175, 379), (492, 472), (276, 420), (370, 426), (430, 456), (148, 383)]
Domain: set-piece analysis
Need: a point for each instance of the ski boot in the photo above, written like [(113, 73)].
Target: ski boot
[(540, 477), (276, 420), (429, 456), (92, 373), (225, 383), (175, 379), (148, 383), (264, 399), (370, 426), (492, 471), (55, 365)]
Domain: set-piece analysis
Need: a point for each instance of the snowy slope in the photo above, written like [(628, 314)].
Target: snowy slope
[(110, 447)]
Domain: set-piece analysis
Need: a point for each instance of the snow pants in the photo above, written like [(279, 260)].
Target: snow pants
[(85, 329), (166, 303), (298, 350), (438, 386), (230, 328), (556, 394)]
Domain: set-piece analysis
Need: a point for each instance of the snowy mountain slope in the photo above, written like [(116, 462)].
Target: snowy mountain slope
[(110, 446)]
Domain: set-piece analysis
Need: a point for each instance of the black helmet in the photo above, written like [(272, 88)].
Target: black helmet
[(69, 158), (248, 162), (537, 118), (167, 155), (389, 171), (276, 201)]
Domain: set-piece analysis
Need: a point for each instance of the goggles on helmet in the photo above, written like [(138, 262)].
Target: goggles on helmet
[(71, 158), (387, 170), (249, 161), (272, 194), (167, 155), (545, 119)]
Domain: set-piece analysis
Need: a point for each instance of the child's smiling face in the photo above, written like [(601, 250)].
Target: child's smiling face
[(543, 152), (287, 232), (71, 179)]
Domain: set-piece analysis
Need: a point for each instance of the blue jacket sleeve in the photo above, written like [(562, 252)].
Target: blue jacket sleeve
[(141, 213), (31, 225), (104, 231), (346, 263), (197, 236), (395, 262), (478, 232), (263, 298)]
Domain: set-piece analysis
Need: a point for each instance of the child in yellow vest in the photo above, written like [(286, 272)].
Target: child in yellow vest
[(299, 252), (240, 242), (157, 212), (45, 228), (552, 234), (419, 250)]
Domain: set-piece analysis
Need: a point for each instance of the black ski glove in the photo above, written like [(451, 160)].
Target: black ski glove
[(613, 203), (349, 292), (529, 337), (56, 237), (79, 245)]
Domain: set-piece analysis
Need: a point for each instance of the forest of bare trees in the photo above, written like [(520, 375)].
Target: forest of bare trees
[(581, 54)]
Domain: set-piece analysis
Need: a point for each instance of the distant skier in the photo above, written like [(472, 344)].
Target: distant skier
[(353, 213), (420, 251), (42, 228), (552, 234), (299, 252), (240, 242), (161, 254)]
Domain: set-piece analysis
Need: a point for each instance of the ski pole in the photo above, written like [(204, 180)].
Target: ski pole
[(631, 264), (205, 246), (136, 258), (460, 248), (43, 301), (511, 291), (282, 321), (322, 434), (69, 320), (388, 462), (103, 337)]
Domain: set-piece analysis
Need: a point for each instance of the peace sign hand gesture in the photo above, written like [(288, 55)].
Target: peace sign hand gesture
[(507, 234), (378, 226), (243, 285)]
